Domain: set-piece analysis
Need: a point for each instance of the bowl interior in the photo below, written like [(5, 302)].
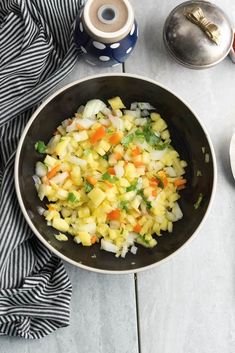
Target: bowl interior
[(188, 138)]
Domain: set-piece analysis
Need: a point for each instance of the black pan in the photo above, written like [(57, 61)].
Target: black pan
[(189, 138)]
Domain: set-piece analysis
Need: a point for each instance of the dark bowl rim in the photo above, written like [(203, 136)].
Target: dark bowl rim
[(20, 199)]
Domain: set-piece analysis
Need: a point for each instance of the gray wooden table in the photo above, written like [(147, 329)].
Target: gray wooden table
[(187, 304)]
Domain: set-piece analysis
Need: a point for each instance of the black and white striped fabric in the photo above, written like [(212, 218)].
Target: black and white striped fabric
[(36, 52)]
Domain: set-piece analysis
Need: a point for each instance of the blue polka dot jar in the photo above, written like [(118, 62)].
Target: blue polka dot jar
[(106, 32)]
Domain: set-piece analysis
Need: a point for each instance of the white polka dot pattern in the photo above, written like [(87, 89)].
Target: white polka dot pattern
[(115, 64), (129, 50), (104, 58), (114, 45), (99, 45)]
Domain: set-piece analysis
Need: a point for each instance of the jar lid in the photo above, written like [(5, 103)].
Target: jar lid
[(198, 34), (108, 21)]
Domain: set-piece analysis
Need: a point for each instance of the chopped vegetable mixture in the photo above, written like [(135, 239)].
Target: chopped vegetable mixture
[(111, 175)]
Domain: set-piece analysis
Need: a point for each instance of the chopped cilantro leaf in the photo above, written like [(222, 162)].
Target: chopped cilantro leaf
[(40, 147), (71, 197), (88, 187), (123, 205), (107, 176), (127, 140), (160, 182), (132, 187)]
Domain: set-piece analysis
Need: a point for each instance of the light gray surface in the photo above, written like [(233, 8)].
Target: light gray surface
[(187, 304)]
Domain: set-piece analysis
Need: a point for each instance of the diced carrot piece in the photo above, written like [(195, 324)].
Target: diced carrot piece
[(115, 138), (98, 135), (110, 185), (118, 156), (136, 151), (91, 180), (53, 172), (153, 182), (115, 214), (50, 207), (138, 164), (94, 239), (180, 182), (154, 193), (111, 171), (137, 228)]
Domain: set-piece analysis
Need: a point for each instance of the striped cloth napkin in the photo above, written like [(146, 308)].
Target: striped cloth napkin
[(36, 52)]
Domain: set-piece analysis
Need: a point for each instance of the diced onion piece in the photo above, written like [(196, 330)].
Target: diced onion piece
[(107, 246), (119, 171), (77, 239), (89, 228), (72, 126), (131, 238), (140, 121), (135, 113), (41, 191), (134, 105), (77, 161), (61, 237), (80, 109), (134, 249), (41, 169), (116, 122), (177, 211), (157, 155), (40, 210), (85, 123), (80, 136), (37, 180), (52, 144), (145, 112), (106, 111), (59, 178), (94, 106), (104, 122), (124, 251), (144, 105), (170, 171)]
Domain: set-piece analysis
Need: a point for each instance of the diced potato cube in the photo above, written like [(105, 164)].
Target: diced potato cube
[(116, 103), (61, 147), (155, 116), (128, 125), (50, 161), (100, 150), (165, 135), (85, 238), (114, 233), (130, 171), (76, 171), (62, 194), (83, 212), (104, 145), (159, 125), (97, 196), (124, 182), (60, 224)]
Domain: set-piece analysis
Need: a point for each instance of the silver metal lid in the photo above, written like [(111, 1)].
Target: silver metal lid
[(198, 34)]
